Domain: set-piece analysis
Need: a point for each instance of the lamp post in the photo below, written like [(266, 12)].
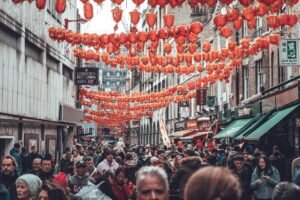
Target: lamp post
[(79, 20)]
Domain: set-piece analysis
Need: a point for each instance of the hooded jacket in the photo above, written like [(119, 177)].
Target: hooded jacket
[(14, 152), (180, 177)]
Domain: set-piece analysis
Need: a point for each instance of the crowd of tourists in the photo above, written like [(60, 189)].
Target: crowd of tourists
[(121, 172)]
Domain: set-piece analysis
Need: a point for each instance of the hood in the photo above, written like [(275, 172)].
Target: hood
[(14, 151), (191, 162)]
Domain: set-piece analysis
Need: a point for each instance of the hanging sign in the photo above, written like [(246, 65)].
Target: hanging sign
[(289, 53), (87, 76)]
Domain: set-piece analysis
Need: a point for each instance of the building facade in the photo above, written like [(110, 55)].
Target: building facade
[(37, 87)]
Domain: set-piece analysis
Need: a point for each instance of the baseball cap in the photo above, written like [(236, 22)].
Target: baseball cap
[(80, 163)]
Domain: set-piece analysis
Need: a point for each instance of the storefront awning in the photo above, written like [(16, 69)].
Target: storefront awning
[(272, 121), (182, 133), (199, 134), (231, 130)]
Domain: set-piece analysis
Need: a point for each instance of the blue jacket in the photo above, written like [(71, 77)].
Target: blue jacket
[(265, 189), (15, 153), (4, 193)]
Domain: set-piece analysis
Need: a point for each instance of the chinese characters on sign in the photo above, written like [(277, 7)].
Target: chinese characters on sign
[(201, 96), (289, 53)]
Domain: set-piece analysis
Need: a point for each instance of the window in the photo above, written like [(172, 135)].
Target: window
[(272, 68), (245, 28), (246, 81), (67, 72), (259, 26), (118, 74), (108, 74), (118, 82), (107, 83), (258, 75)]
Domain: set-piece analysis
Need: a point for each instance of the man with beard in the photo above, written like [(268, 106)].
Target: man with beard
[(36, 167), (8, 175), (244, 172), (46, 169)]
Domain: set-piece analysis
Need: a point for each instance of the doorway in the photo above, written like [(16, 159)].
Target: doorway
[(6, 144)]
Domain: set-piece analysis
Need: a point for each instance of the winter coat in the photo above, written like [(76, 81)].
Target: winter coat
[(46, 176), (31, 157), (14, 152), (4, 193), (131, 169), (245, 180), (265, 189), (9, 181), (25, 162), (77, 182), (180, 177), (66, 166)]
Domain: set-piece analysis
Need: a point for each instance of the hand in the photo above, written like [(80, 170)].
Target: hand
[(259, 181), (266, 177)]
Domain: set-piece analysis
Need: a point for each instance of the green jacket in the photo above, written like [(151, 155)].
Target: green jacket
[(15, 153)]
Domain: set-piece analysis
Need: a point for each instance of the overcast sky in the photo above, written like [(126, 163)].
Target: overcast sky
[(102, 22)]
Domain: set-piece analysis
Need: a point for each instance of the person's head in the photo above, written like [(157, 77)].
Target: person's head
[(154, 161), (8, 165), (246, 155), (214, 152), (89, 162), (220, 184), (188, 153), (108, 154), (17, 146), (36, 164), (23, 150), (28, 186), (120, 176), (238, 162), (80, 168), (75, 152), (68, 156), (264, 163), (286, 191), (90, 150), (33, 149), (152, 183), (49, 191), (46, 164)]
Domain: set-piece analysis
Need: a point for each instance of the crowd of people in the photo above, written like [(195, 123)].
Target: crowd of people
[(122, 172)]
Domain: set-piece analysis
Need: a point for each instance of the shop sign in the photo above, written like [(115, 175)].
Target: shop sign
[(179, 126), (289, 52), (244, 111), (87, 76), (210, 101), (297, 122), (192, 124), (201, 96)]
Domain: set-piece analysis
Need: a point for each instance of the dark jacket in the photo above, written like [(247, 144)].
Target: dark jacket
[(131, 169), (25, 162), (245, 181), (77, 182), (181, 176), (46, 176), (66, 166), (4, 193), (14, 152), (9, 181)]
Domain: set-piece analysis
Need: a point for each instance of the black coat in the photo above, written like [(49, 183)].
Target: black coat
[(184, 172), (9, 181), (245, 180)]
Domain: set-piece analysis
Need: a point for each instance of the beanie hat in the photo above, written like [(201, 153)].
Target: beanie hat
[(33, 182), (61, 179)]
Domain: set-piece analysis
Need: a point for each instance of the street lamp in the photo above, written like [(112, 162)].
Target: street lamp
[(80, 20)]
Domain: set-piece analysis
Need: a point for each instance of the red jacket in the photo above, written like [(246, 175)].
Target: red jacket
[(122, 193)]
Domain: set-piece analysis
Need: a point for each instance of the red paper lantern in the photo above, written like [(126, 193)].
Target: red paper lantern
[(196, 27), (152, 3), (40, 4), (237, 24), (276, 6), (60, 6), (88, 11), (192, 48), (232, 14), (206, 46), (248, 13), (169, 20), (151, 19), (261, 9), (226, 31), (138, 2), (246, 2), (117, 14), (273, 21), (135, 17), (220, 20)]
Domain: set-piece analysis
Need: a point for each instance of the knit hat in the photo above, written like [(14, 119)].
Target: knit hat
[(60, 179), (33, 182)]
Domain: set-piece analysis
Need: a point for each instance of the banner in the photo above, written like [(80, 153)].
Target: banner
[(87, 76), (163, 132)]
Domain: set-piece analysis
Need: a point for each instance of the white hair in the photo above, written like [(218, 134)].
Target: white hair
[(151, 171)]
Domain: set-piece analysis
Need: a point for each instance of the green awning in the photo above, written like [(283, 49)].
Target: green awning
[(272, 121), (251, 126), (232, 128)]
